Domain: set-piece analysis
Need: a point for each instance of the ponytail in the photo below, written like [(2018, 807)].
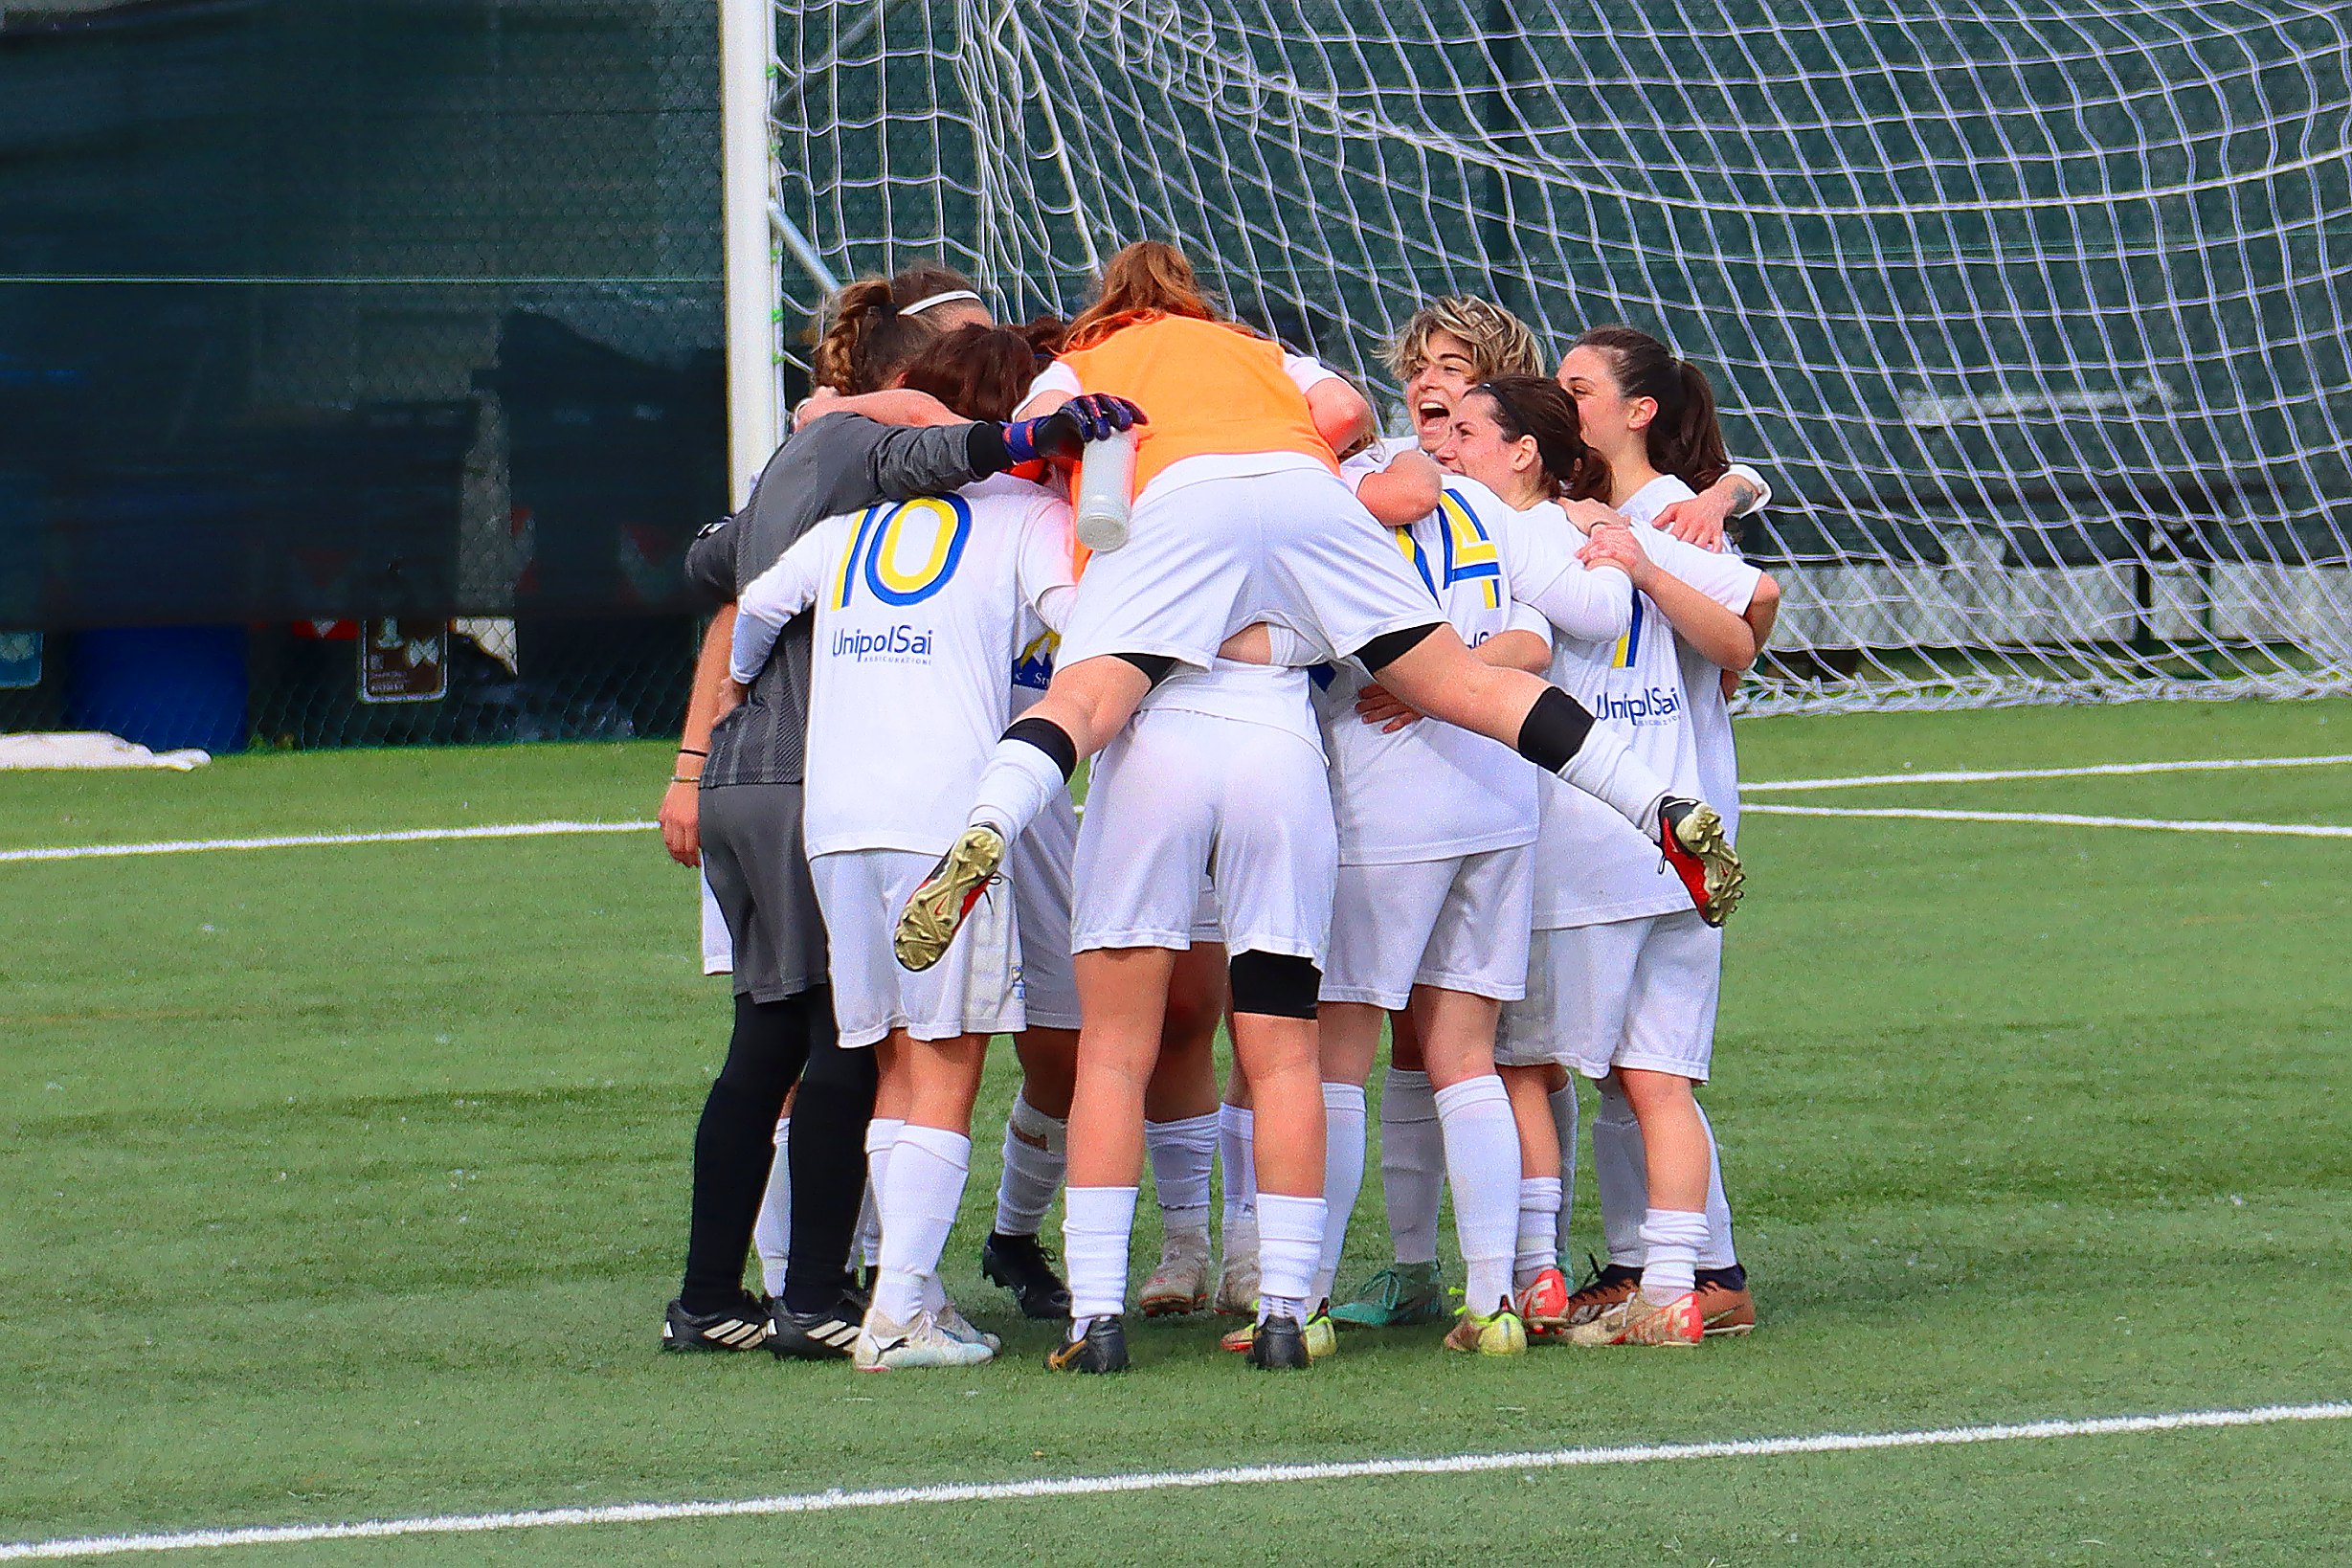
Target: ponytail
[(1686, 439), (870, 334)]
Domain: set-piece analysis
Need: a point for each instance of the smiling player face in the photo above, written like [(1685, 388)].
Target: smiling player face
[(1447, 370), (1473, 445)]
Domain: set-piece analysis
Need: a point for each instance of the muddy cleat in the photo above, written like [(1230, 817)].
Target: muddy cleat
[(937, 908), (816, 1336), (1499, 1333), (1610, 1284), (742, 1327), (1023, 1265), (1280, 1345), (1634, 1321), (1180, 1284), (1237, 1284), (884, 1346), (1397, 1296), (1542, 1304), (1102, 1348), (1725, 1307), (1690, 837), (956, 1326)]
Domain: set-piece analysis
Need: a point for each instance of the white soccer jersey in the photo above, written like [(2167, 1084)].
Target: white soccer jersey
[(1431, 791), (1710, 711), (920, 608), (1591, 865)]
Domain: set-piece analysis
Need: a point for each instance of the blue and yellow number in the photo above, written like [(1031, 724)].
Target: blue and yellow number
[(936, 527)]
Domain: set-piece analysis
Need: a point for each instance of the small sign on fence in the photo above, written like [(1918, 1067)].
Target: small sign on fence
[(403, 660), (20, 660)]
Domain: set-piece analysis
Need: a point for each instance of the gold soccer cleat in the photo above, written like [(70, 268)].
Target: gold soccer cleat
[(937, 908)]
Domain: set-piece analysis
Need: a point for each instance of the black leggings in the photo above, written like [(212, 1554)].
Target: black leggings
[(734, 1143), (828, 1156)]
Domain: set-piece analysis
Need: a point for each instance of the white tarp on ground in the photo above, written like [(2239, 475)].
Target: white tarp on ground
[(90, 748)]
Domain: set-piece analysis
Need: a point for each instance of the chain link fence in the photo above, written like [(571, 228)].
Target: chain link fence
[(361, 368)]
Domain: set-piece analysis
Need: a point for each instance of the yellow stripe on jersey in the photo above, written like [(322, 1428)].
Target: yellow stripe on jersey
[(1419, 556), (1469, 551), (1631, 642)]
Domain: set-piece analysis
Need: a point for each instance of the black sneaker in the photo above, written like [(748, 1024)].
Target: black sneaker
[(1023, 1265), (1279, 1345), (1102, 1348), (739, 1328), (816, 1337)]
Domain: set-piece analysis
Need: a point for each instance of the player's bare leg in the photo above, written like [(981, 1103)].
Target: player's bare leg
[(912, 1323), (1475, 1117), (1438, 675), (1677, 1152), (1180, 1132), (1036, 1147), (1122, 997)]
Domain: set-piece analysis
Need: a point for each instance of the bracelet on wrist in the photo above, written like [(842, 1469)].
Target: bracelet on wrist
[(685, 778), (690, 752)]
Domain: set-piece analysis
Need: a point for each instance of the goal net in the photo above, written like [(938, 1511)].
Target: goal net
[(2034, 312)]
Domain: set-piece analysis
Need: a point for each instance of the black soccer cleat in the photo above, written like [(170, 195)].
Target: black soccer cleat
[(1102, 1348), (1023, 1265), (739, 1328), (825, 1336), (1279, 1345)]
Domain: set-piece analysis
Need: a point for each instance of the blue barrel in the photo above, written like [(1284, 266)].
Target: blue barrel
[(164, 687)]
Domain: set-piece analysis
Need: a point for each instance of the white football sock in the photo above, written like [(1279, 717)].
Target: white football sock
[(772, 1233), (1607, 770), (919, 1200), (1097, 1225), (1672, 1237), (1563, 1102), (1235, 1129), (1482, 1161), (1035, 1152), (1290, 1244), (1016, 787), (1538, 1224), (1620, 1171), (1718, 1252), (1184, 1152), (1412, 1164), (1343, 1179), (881, 1133)]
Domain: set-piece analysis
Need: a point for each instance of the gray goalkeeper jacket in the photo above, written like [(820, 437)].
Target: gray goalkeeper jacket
[(834, 464)]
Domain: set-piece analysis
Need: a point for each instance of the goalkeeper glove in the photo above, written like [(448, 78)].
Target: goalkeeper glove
[(1090, 416)]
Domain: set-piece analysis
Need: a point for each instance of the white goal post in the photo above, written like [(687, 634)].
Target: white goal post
[(2034, 311)]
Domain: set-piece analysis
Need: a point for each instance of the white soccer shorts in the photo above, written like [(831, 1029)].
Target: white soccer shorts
[(1626, 994), (1459, 923), (1041, 872), (1206, 559), (974, 990), (1178, 792)]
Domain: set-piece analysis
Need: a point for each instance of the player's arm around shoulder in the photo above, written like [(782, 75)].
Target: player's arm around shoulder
[(1403, 492)]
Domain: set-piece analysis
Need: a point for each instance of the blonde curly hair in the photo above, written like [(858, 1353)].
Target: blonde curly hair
[(1500, 343)]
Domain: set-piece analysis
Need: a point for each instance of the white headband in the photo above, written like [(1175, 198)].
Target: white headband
[(950, 297)]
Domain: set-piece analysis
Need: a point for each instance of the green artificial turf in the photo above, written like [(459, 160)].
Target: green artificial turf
[(349, 1181)]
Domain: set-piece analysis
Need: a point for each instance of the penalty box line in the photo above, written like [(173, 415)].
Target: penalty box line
[(2059, 818), (1093, 1486)]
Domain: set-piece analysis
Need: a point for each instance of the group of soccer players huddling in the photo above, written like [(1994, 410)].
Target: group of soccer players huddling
[(1320, 674)]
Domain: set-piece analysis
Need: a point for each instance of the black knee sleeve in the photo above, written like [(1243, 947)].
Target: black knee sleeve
[(1553, 730), (1388, 647), (1049, 738), (1155, 666), (1276, 984)]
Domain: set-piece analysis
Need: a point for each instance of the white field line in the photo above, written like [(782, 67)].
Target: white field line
[(1094, 1486), (537, 830), (2105, 769), (2059, 818), (298, 840)]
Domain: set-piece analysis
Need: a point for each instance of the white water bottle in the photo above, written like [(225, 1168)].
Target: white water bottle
[(1106, 484)]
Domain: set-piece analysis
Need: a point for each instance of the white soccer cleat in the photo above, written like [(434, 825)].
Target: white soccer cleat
[(1236, 1286), (884, 1346), (1180, 1284), (956, 1326)]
